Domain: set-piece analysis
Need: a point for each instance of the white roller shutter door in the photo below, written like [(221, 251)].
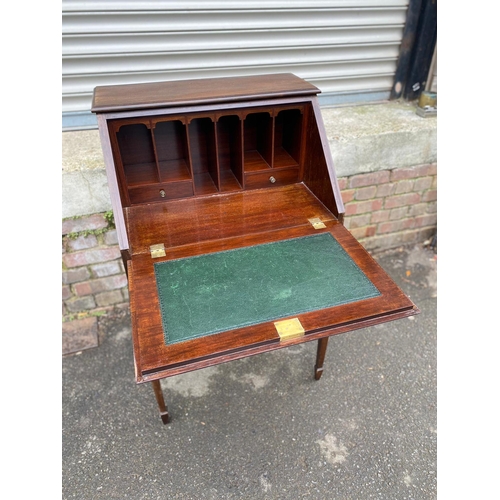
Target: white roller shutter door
[(347, 48)]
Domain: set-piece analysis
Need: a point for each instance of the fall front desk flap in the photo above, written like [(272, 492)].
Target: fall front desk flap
[(216, 292)]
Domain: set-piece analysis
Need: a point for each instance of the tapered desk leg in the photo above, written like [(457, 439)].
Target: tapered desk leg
[(165, 417), (320, 357)]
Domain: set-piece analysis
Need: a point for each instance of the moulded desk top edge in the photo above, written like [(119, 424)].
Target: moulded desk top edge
[(197, 92)]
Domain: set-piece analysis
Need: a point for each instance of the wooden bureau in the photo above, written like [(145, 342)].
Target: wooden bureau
[(229, 220)]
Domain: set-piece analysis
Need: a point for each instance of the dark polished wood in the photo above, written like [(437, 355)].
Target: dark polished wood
[(221, 164), (165, 417), (183, 222), (320, 357), (126, 257), (197, 92)]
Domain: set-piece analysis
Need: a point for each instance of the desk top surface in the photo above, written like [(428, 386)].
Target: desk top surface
[(209, 229), (188, 221)]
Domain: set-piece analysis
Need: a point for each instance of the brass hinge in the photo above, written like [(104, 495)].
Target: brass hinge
[(317, 223), (289, 329), (157, 250)]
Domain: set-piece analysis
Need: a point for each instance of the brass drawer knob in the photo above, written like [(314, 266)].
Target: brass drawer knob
[(162, 193), (272, 180)]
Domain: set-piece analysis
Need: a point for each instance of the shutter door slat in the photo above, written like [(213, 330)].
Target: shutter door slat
[(189, 5), (134, 22), (130, 43)]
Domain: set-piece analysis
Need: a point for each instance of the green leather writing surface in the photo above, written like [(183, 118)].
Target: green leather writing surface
[(216, 292)]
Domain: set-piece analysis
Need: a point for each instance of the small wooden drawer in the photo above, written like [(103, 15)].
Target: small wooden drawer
[(271, 177), (161, 192)]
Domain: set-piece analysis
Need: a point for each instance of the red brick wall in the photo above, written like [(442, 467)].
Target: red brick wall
[(93, 277), (384, 210), (390, 208)]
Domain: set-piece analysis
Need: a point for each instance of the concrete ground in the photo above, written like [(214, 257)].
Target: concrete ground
[(262, 427)]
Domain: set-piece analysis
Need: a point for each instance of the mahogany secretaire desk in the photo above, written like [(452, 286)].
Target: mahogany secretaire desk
[(229, 220)]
